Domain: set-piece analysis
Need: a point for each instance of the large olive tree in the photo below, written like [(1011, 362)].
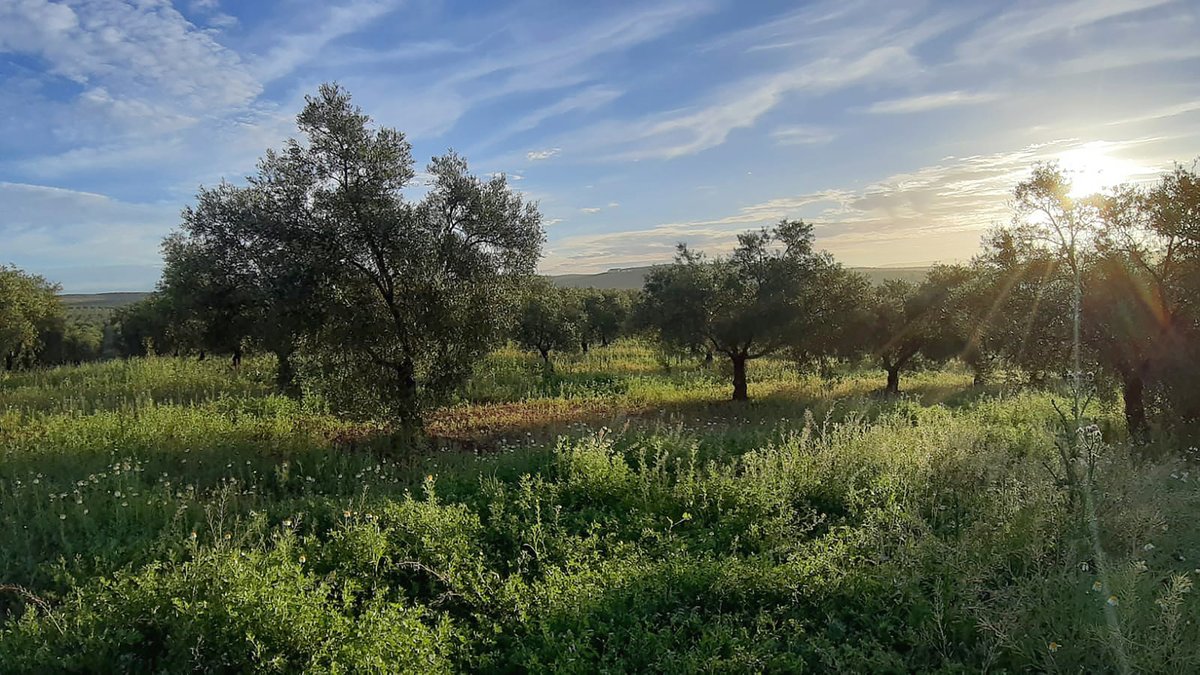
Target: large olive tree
[(413, 293), (390, 300)]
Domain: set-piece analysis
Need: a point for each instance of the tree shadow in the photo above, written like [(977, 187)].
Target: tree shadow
[(494, 426)]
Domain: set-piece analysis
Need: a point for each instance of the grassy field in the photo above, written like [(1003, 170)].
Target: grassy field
[(169, 515)]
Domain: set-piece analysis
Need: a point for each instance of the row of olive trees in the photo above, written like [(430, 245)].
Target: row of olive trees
[(1133, 254), (386, 304), (551, 319), (35, 329), (775, 294)]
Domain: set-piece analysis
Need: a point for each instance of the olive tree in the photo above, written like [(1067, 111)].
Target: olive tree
[(547, 320), (244, 265), (214, 304), (29, 306), (604, 314), (1140, 296), (917, 320), (1018, 300), (745, 306), (412, 293)]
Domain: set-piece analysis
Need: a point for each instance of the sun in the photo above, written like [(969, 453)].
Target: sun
[(1092, 169)]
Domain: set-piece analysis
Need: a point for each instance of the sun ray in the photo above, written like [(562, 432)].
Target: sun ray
[(1092, 168)]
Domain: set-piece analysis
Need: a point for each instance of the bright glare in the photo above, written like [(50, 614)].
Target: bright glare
[(1091, 169)]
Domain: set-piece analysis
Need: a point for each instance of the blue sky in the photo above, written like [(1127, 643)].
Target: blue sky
[(899, 128)]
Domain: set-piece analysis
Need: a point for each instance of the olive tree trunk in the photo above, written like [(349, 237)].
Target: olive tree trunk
[(740, 392), (893, 379)]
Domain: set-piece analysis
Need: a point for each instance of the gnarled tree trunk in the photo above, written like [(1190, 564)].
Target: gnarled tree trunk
[(893, 378), (740, 392), (1133, 389), (285, 373), (406, 374)]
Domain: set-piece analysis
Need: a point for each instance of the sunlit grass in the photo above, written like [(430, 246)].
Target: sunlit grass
[(615, 514)]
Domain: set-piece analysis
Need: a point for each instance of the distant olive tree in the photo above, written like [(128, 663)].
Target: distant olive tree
[(548, 320), (603, 315), (836, 320), (244, 266), (917, 320), (753, 303), (215, 308), (1018, 300)]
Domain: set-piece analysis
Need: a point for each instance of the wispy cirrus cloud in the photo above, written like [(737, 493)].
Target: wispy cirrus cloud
[(889, 221), (927, 102), (330, 22), (835, 48), (585, 100), (1009, 32), (802, 135), (739, 106)]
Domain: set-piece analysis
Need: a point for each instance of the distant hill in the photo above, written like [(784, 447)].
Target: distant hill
[(633, 277), (625, 278), (75, 301)]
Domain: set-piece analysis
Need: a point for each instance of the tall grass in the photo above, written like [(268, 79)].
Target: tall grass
[(170, 515)]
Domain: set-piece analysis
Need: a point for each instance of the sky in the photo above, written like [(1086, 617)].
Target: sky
[(898, 128)]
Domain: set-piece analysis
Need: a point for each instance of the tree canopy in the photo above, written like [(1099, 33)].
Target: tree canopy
[(745, 306), (29, 306)]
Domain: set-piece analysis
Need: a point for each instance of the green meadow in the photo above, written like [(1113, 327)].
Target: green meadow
[(617, 514)]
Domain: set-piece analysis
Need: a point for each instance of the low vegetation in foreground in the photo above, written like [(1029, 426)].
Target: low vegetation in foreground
[(164, 514)]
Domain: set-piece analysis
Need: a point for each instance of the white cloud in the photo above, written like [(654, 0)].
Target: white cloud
[(938, 211), (140, 51), (926, 102), (211, 11), (47, 227), (590, 209), (295, 49), (801, 135), (541, 155), (202, 154)]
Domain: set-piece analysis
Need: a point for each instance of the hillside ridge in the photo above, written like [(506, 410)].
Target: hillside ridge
[(618, 278)]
